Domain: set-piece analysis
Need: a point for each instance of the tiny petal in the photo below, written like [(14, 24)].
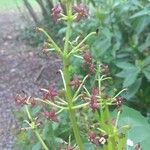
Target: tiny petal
[(130, 143)]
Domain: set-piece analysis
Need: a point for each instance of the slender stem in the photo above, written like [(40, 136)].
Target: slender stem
[(68, 95), (52, 41), (35, 130), (41, 140), (69, 23), (74, 50)]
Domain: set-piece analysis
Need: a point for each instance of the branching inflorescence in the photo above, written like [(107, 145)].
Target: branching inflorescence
[(77, 95)]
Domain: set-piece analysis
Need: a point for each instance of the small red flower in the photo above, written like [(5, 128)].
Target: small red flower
[(87, 57), (93, 138), (75, 83), (94, 105), (92, 68), (21, 98), (49, 94), (51, 116), (95, 91), (56, 12), (81, 11)]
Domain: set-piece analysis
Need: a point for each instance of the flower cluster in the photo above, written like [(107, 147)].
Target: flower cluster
[(50, 93), (94, 105), (51, 115), (75, 83), (88, 62), (98, 140), (56, 12), (80, 11)]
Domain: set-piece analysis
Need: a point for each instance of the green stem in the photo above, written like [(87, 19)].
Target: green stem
[(52, 41), (34, 129), (75, 49), (41, 140), (68, 95)]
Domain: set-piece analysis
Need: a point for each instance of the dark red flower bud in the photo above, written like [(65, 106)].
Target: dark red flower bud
[(93, 138), (50, 93), (87, 57), (21, 98), (75, 83), (51, 116), (56, 12), (92, 68), (94, 105), (95, 91), (81, 11)]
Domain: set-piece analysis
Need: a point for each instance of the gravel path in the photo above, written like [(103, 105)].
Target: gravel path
[(19, 66)]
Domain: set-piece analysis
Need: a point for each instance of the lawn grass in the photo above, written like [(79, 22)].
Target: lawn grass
[(12, 4)]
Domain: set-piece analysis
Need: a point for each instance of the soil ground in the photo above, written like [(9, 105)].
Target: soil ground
[(19, 67)]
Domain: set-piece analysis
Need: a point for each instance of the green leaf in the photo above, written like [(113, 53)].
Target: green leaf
[(133, 89), (125, 65), (139, 131), (146, 61), (36, 110), (146, 44), (140, 13), (88, 146), (129, 73), (37, 146), (131, 76), (146, 72)]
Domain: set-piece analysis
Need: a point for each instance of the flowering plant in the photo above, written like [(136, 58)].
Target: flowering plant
[(78, 100)]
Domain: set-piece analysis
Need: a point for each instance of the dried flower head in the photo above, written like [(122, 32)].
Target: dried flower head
[(81, 11), (56, 12)]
